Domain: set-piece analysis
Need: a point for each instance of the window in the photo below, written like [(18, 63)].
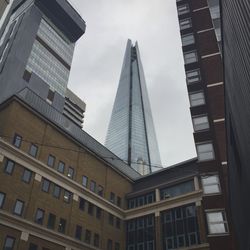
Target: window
[(193, 76), (9, 167), (66, 196), (200, 123), (26, 175), (185, 23), (18, 208), (100, 190), (98, 213), (50, 97), (117, 246), (2, 199), (109, 244), (51, 221), (33, 246), (78, 233), (39, 216), (182, 9), (187, 39), (84, 181), (26, 75), (90, 209), (118, 223), (190, 57), (92, 186), (17, 141), (45, 185), (111, 219), (112, 197), (119, 201), (217, 223), (9, 243), (96, 240), (62, 226), (205, 151), (87, 236), (81, 204), (211, 184), (33, 150), (60, 167), (51, 161), (70, 172), (196, 99), (57, 191)]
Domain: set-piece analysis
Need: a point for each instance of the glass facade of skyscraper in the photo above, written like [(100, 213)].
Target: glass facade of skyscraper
[(131, 134)]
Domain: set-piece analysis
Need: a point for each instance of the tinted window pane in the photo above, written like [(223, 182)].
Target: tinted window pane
[(18, 209), (62, 225), (9, 166), (9, 243), (51, 221), (2, 198), (60, 167), (78, 233), (81, 203), (33, 150), (17, 141), (85, 181), (66, 196), (70, 173), (51, 161), (26, 175), (45, 185), (57, 191), (39, 216), (92, 186)]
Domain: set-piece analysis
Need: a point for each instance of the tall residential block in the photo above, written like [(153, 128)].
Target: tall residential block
[(236, 48), (46, 32), (131, 133), (200, 28)]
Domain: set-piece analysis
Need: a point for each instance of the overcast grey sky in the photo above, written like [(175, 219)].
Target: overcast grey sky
[(98, 60)]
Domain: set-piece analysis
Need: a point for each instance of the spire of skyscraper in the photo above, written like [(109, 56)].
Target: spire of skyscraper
[(131, 134)]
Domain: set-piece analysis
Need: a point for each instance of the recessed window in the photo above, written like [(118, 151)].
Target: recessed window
[(60, 167), (193, 76), (9, 167), (26, 75), (112, 197), (93, 186), (62, 225), (84, 181), (217, 222), (205, 151), (197, 99), (117, 246), (33, 150), (9, 243), (45, 185), (200, 123), (111, 219), (78, 232), (17, 141), (51, 161), (187, 39), (39, 216), (27, 174), (51, 221), (87, 236), (66, 196), (33, 246), (57, 191), (50, 97), (182, 9), (70, 172), (81, 204), (118, 223), (109, 244), (211, 184), (18, 208), (2, 199), (100, 190), (185, 23), (119, 201), (98, 213), (90, 209), (190, 57), (96, 240)]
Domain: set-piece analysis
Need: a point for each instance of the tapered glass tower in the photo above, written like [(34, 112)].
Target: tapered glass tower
[(131, 134)]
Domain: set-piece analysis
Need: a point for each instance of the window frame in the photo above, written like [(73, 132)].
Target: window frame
[(201, 159), (3, 199), (71, 173), (51, 225), (180, 13), (182, 26), (224, 222), (50, 156), (192, 101), (15, 207), (25, 170), (189, 60), (18, 138), (84, 181), (47, 190), (63, 222), (217, 183), (6, 171), (35, 147), (189, 41), (197, 126), (60, 165), (57, 196), (193, 79), (42, 218), (5, 242)]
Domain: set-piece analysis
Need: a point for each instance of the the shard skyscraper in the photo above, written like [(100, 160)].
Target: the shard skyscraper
[(131, 134)]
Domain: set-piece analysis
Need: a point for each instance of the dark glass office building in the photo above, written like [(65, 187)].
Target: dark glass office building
[(131, 134), (236, 47)]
